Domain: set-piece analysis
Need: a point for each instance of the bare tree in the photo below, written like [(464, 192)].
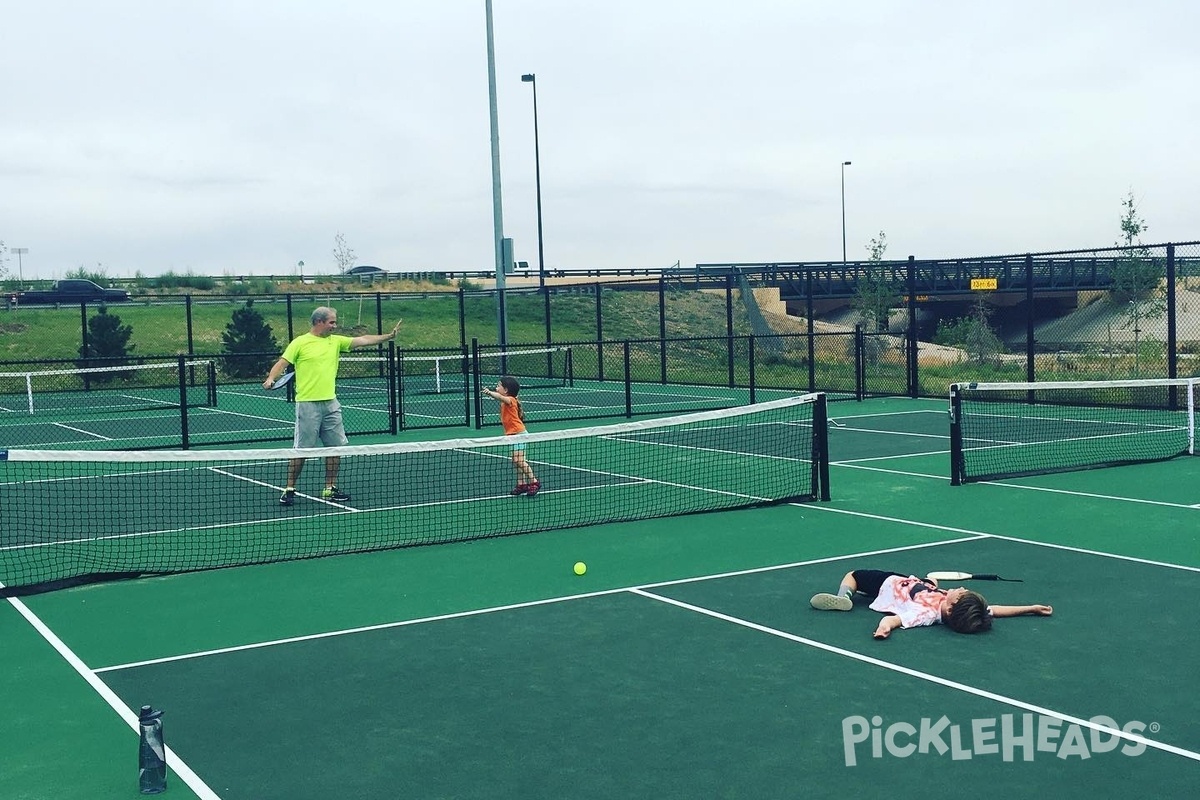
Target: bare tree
[(874, 294), (342, 254), (1137, 277)]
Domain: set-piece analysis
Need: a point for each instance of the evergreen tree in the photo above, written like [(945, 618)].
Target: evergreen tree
[(249, 344), (107, 346)]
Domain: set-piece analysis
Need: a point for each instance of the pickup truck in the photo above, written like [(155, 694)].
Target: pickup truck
[(72, 291)]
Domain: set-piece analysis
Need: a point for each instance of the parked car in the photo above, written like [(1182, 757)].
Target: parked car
[(73, 290)]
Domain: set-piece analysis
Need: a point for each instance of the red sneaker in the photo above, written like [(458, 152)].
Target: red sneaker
[(533, 488), (520, 488)]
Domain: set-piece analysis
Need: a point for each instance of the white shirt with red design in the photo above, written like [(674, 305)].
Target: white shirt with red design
[(915, 602)]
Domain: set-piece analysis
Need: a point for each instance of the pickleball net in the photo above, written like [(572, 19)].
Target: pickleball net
[(100, 389), (73, 516), (1004, 430)]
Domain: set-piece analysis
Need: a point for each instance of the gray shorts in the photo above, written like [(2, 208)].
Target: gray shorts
[(319, 422)]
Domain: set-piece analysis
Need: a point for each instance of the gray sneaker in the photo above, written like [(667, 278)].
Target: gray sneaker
[(288, 497), (831, 602)]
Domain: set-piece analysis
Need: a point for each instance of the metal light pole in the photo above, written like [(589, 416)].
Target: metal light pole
[(537, 169), (844, 165), (497, 201), (20, 251)]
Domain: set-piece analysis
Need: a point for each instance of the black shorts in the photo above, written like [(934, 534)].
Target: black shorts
[(870, 581)]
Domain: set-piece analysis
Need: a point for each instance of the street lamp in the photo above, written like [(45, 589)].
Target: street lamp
[(497, 196), (537, 168), (844, 165), (20, 251)]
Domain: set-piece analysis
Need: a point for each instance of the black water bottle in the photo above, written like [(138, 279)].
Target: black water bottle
[(152, 754)]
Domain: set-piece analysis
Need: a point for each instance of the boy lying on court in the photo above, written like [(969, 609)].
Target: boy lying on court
[(912, 602)]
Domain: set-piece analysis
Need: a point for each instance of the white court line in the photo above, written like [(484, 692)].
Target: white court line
[(941, 436), (182, 770), (857, 464), (73, 429), (925, 676), (1018, 539), (533, 603)]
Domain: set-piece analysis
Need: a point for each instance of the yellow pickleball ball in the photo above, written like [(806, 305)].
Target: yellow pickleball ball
[(580, 567)]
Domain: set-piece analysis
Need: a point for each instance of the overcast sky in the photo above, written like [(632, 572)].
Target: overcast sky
[(239, 136)]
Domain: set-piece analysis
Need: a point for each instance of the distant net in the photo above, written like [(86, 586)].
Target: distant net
[(1000, 430), (129, 387), (80, 515), (453, 373), (534, 368)]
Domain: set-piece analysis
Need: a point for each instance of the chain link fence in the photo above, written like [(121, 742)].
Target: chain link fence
[(1107, 313)]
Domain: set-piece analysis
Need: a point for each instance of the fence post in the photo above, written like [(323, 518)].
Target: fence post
[(628, 381), (913, 385), (1030, 368), (662, 328), (599, 337), (83, 349), (1172, 330), (860, 369), (187, 304), (462, 318), (753, 393), (812, 343), (291, 329), (729, 327)]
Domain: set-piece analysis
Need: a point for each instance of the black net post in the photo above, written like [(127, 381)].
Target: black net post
[(820, 447), (211, 377), (477, 383), (392, 390), (183, 402), (956, 437)]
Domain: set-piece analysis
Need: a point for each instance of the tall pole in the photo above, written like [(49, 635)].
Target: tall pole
[(20, 251), (497, 202), (844, 165), (537, 170)]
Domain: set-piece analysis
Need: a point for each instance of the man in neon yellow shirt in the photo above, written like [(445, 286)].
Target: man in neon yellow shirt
[(316, 355)]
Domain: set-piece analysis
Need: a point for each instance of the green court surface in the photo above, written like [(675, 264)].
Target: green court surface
[(685, 663)]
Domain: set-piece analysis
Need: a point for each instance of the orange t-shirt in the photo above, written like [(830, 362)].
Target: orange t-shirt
[(510, 416)]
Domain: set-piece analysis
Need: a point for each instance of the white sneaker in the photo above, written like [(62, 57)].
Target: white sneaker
[(831, 602)]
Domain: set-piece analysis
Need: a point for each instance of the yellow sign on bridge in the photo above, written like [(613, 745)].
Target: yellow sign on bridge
[(982, 284)]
